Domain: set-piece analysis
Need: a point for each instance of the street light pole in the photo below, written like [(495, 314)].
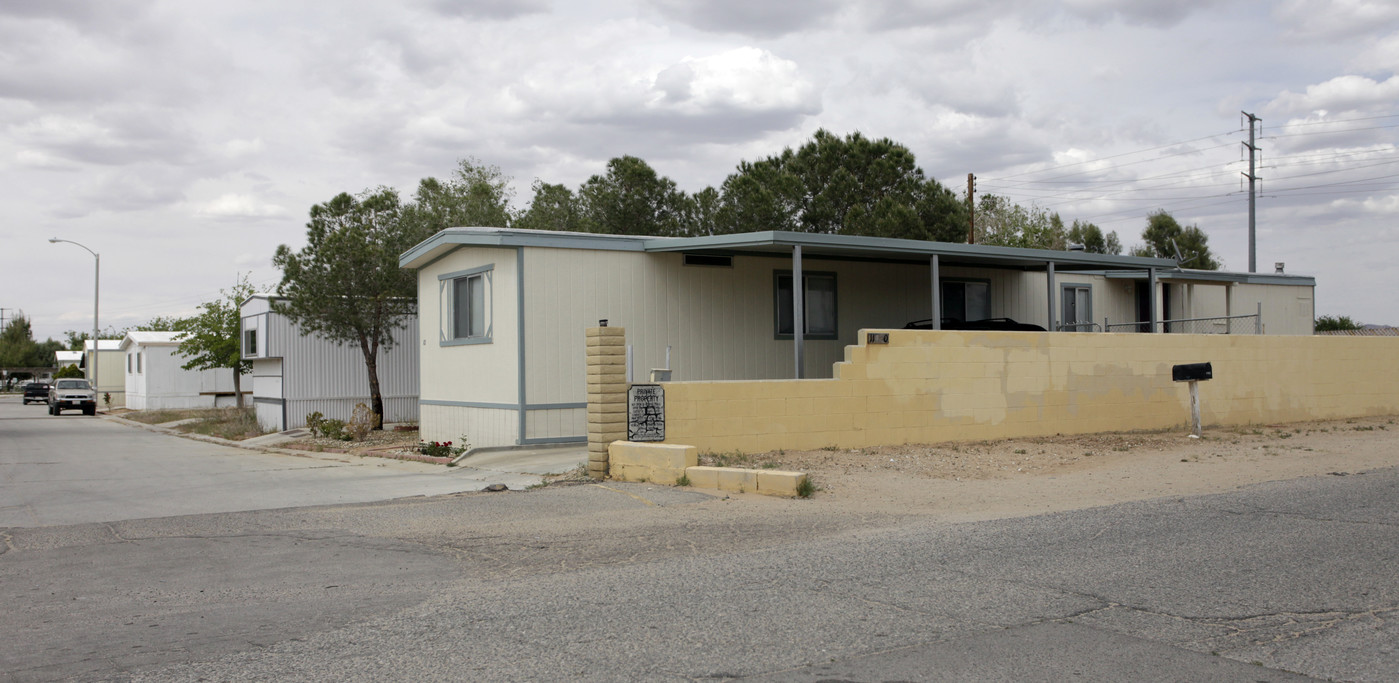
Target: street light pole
[(96, 275)]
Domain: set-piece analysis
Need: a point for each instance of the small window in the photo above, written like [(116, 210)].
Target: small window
[(250, 342), (465, 306), (128, 363), (964, 300), (138, 362), (469, 307), (819, 302)]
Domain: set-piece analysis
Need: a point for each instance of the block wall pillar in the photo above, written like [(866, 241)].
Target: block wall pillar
[(607, 394)]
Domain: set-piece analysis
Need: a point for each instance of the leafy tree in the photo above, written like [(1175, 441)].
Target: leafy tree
[(476, 194), (19, 350), (74, 340), (161, 323), (630, 199), (68, 372), (701, 214), (1093, 239), (1327, 323), (345, 284), (1163, 235), (554, 207), (210, 338), (849, 186), (1001, 222), (761, 196)]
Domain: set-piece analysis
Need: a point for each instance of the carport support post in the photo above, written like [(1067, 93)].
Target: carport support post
[(798, 309), (607, 393), (937, 292), (1151, 297), (1049, 272)]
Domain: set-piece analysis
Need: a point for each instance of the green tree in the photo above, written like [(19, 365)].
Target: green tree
[(68, 372), (848, 186), (74, 340), (19, 350), (1001, 222), (210, 338), (631, 199), (1163, 235), (700, 216), (761, 195), (160, 323), (475, 195), (345, 284), (1093, 239), (554, 207), (1329, 323)]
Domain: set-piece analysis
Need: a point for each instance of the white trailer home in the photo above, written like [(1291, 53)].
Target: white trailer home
[(296, 374), (157, 380), (502, 312), (112, 383)]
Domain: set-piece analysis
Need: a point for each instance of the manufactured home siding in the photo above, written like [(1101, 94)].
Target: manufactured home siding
[(718, 321), (470, 390), (295, 375)]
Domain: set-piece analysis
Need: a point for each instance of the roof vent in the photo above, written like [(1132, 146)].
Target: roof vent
[(709, 260), (1277, 267), (1076, 247)]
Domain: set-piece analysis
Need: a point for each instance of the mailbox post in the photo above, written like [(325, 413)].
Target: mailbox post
[(1193, 373)]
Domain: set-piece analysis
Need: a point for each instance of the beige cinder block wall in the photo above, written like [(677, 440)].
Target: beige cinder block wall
[(947, 386)]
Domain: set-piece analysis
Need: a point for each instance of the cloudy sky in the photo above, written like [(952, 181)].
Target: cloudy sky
[(185, 141)]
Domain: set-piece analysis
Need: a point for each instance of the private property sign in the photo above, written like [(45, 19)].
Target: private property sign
[(646, 413)]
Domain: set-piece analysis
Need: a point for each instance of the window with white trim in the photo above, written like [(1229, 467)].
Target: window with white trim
[(1077, 309), (818, 302), (466, 306)]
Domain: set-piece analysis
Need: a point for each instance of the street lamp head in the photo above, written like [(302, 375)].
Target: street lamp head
[(53, 240)]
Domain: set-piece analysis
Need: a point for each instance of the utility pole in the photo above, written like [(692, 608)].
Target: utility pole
[(971, 209), (1252, 195)]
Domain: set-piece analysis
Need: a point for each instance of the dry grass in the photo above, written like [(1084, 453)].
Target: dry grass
[(234, 424), (155, 417)]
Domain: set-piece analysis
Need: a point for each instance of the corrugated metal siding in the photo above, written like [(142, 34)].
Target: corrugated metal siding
[(269, 416), (480, 426), (396, 409), (314, 368)]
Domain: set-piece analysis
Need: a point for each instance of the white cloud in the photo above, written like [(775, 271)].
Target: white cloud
[(240, 206), (1341, 94), (1331, 19)]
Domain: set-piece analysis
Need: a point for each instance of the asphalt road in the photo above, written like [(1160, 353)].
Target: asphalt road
[(1275, 582), (70, 469)]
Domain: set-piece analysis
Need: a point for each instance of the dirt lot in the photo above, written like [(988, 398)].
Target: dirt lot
[(979, 480)]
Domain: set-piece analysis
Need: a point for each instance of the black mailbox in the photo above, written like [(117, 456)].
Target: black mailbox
[(1192, 372)]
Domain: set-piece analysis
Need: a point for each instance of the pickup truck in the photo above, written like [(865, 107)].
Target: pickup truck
[(72, 393), (36, 392)]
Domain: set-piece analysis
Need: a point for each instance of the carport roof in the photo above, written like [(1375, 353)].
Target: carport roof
[(777, 243)]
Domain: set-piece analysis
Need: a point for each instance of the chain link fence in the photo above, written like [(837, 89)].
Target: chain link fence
[(1232, 324)]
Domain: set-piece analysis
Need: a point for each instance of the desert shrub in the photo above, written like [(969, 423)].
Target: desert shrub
[(334, 429), (313, 422), (361, 422)]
